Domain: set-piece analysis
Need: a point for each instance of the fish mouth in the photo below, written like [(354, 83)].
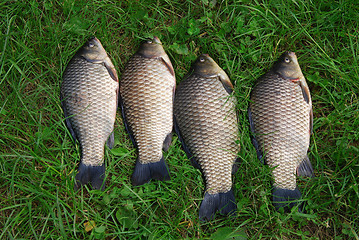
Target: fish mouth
[(94, 39), (156, 40), (293, 56), (202, 57)]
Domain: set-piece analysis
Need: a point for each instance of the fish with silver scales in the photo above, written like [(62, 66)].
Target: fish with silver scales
[(207, 126), (146, 98), (89, 93), (281, 120)]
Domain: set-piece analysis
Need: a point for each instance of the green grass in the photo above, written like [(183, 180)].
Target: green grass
[(38, 159)]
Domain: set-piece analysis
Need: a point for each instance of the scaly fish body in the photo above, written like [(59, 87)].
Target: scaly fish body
[(147, 89), (89, 100), (281, 120), (207, 125)]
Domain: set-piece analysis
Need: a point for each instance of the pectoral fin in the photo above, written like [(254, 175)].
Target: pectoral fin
[(113, 74), (168, 64), (305, 92), (226, 82), (111, 69)]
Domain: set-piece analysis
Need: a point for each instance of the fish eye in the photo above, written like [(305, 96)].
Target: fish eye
[(201, 59), (149, 41), (91, 45), (287, 60)]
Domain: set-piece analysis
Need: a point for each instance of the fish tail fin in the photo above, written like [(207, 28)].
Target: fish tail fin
[(225, 203), (143, 173), (305, 168), (90, 174), (286, 199)]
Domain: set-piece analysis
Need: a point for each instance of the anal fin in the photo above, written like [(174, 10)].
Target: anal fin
[(111, 141), (167, 142), (305, 168)]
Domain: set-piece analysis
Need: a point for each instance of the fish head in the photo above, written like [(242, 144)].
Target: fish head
[(206, 66), (287, 66), (152, 48), (93, 51)]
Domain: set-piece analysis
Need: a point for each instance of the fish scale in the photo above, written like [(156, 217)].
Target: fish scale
[(283, 135), (280, 114), (148, 103), (209, 129), (206, 122), (146, 99), (90, 100)]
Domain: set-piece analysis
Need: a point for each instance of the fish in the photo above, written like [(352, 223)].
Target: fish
[(89, 98), (207, 125), (281, 120), (147, 89)]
